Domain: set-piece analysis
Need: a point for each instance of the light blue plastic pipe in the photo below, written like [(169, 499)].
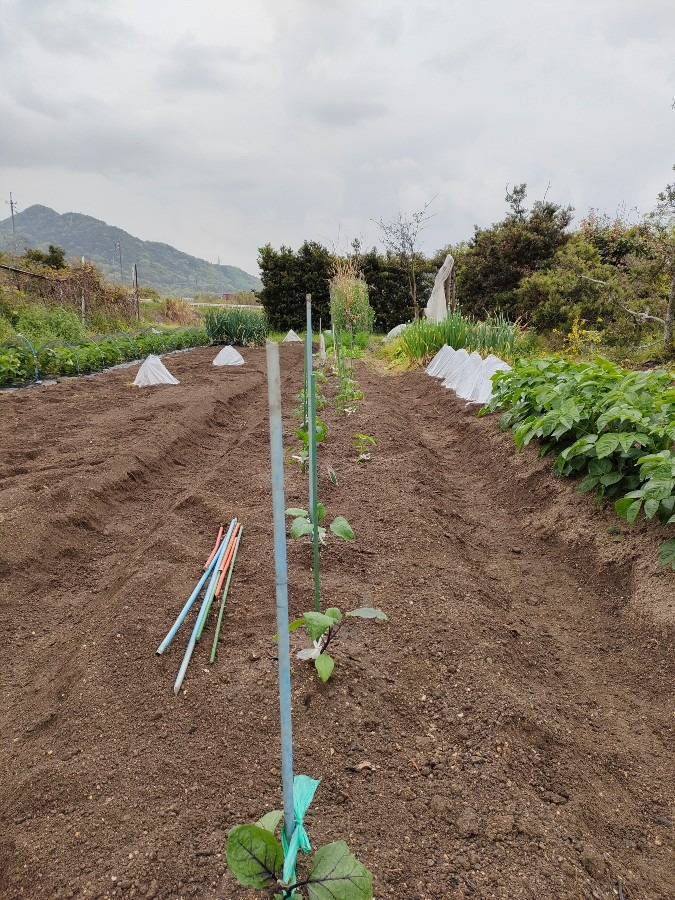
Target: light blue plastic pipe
[(308, 387), (193, 596), (281, 577), (202, 613)]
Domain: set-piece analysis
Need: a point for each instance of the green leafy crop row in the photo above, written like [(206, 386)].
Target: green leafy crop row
[(22, 361), (614, 427)]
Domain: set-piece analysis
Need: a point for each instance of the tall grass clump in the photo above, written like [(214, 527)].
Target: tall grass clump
[(422, 339), (350, 309), (238, 326)]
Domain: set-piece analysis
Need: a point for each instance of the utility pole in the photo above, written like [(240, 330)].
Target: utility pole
[(118, 247), (135, 283), (12, 203)]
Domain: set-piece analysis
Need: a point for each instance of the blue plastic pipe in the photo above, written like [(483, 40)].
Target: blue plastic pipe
[(193, 596), (215, 576), (311, 422), (281, 577)]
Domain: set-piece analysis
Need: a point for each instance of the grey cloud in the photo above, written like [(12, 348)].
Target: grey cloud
[(70, 27), (345, 112)]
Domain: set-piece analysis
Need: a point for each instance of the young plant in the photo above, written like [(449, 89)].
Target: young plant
[(256, 859), (322, 628), (361, 442), (302, 524)]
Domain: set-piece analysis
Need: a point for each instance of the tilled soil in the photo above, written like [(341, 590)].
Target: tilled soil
[(507, 733)]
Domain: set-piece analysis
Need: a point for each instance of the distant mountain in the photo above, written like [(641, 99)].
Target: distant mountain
[(159, 265)]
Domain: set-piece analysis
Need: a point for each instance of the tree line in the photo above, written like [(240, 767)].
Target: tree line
[(614, 274)]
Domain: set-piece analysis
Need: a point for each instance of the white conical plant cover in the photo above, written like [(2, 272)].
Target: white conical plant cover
[(457, 363), (446, 364), (153, 371), (483, 390), (291, 338), (228, 356), (438, 359), (462, 383)]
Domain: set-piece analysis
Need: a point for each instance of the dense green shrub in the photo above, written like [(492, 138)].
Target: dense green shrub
[(43, 323)]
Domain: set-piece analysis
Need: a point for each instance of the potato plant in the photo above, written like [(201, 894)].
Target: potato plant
[(614, 427)]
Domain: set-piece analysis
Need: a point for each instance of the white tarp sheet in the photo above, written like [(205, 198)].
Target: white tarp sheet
[(153, 371), (228, 356)]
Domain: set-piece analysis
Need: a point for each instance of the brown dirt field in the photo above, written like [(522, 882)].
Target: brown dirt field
[(515, 712)]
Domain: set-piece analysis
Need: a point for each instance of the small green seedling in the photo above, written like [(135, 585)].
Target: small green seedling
[(301, 457), (332, 477), (361, 442), (256, 859), (322, 628), (302, 525)]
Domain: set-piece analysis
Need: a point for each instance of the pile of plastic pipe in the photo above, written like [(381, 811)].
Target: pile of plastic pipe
[(467, 374), (217, 575)]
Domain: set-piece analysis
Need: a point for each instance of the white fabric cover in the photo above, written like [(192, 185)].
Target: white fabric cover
[(153, 371), (228, 356), (322, 348), (483, 390), (291, 337), (395, 332), (437, 307), (446, 364), (437, 361), (462, 383), (455, 365)]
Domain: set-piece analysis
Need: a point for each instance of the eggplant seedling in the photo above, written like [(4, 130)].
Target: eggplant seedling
[(322, 628), (302, 524), (361, 442), (257, 858)]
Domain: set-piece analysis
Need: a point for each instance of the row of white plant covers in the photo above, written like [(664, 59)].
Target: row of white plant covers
[(153, 371), (467, 374)]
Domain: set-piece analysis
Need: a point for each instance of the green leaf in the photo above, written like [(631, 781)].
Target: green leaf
[(651, 508), (324, 665), (632, 511), (338, 875), (589, 482), (599, 467), (611, 478), (254, 855), (296, 512), (341, 527), (667, 553), (607, 444), (332, 476), (301, 527), (368, 612), (270, 820), (334, 613), (320, 511), (317, 623)]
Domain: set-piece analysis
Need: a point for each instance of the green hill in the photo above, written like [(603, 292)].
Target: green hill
[(160, 266)]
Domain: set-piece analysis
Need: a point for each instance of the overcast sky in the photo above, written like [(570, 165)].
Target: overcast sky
[(220, 126)]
